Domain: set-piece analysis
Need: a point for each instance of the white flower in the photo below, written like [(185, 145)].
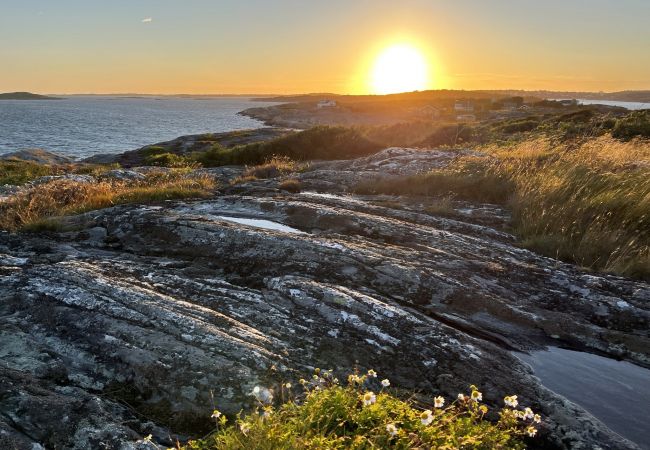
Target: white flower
[(369, 398), (477, 396), (392, 429), (244, 427), (287, 385), (511, 401), (528, 413), (531, 431), (438, 402), (461, 397), (426, 417), (216, 414), (372, 373), (537, 418), (262, 394), (385, 382)]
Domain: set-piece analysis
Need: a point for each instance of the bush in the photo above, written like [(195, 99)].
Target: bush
[(518, 126), (170, 160), (449, 136), (331, 416), (636, 124), (316, 143)]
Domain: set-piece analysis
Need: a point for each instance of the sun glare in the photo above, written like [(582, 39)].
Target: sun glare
[(399, 68)]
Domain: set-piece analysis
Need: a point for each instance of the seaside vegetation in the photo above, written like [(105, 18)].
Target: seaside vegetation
[(38, 207), (18, 172), (577, 183), (320, 142), (324, 414), (585, 201)]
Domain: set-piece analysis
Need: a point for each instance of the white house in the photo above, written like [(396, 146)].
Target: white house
[(326, 104)]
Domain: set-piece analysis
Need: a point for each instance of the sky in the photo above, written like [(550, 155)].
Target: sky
[(297, 46)]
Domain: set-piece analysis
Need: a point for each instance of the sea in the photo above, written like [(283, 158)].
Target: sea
[(82, 126), (632, 106)]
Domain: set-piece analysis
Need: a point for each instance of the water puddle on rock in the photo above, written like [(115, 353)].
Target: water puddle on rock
[(261, 223), (616, 392)]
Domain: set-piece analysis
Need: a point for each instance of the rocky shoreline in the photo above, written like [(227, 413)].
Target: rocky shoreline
[(125, 323)]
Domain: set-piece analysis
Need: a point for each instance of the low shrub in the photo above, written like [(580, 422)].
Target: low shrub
[(316, 143), (636, 124), (449, 136), (518, 126), (364, 414), (170, 160)]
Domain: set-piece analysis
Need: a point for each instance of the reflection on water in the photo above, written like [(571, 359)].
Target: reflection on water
[(616, 392), (261, 223)]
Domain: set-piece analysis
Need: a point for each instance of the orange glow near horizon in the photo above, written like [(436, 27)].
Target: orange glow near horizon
[(339, 46), (400, 68)]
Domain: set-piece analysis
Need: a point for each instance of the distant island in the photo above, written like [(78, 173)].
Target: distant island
[(25, 96), (441, 94)]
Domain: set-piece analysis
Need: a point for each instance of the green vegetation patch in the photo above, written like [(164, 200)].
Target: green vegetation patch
[(18, 172), (365, 414), (316, 143), (636, 124)]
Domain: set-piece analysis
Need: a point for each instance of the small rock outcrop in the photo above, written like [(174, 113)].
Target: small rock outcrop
[(37, 155)]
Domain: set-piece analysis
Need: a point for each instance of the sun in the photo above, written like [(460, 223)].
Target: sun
[(399, 68)]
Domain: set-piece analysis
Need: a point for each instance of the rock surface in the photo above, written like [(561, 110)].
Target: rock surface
[(124, 326), (37, 155)]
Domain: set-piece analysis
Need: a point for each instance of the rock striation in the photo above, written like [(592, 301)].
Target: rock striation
[(129, 323)]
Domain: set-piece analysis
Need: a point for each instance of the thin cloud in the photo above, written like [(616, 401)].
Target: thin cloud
[(147, 20)]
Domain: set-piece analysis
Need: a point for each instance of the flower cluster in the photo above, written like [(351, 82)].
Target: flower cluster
[(397, 421)]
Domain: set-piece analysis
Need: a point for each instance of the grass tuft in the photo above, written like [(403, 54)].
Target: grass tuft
[(585, 201), (33, 208)]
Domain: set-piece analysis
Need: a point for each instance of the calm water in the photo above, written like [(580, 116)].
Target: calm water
[(84, 126), (616, 392), (629, 105)]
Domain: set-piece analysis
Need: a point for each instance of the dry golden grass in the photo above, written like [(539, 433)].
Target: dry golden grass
[(39, 204), (585, 201), (274, 167), (290, 185)]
